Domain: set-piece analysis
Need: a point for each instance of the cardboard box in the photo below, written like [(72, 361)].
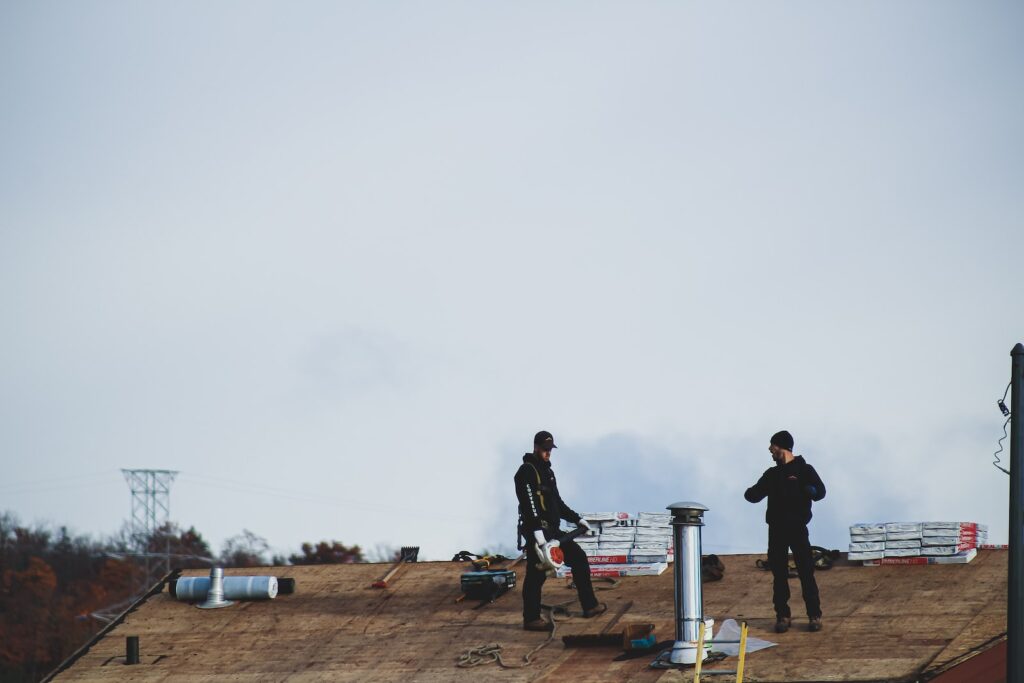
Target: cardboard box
[(902, 527), (867, 538), (866, 528), (901, 545), (902, 536), (901, 552)]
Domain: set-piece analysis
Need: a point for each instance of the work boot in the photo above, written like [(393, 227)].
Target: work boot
[(537, 625), (814, 625), (595, 611), (782, 624)]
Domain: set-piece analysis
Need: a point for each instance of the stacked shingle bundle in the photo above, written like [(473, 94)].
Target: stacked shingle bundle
[(626, 545), (916, 542), (950, 538), (867, 541), (653, 534)]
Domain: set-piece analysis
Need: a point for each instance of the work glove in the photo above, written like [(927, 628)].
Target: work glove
[(586, 525), (811, 490), (538, 536)]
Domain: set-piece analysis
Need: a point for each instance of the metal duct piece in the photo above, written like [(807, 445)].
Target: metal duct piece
[(687, 519), (215, 596), (194, 588)]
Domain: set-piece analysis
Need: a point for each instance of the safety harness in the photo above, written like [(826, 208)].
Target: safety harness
[(521, 538)]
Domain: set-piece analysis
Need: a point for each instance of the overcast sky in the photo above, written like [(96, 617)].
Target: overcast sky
[(337, 262)]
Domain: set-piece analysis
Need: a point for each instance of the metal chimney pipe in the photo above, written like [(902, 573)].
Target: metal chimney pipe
[(1015, 575), (131, 650), (687, 519), (215, 596)]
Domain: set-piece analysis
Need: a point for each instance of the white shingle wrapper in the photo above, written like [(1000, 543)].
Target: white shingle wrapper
[(939, 550), (866, 555), (940, 540), (864, 547)]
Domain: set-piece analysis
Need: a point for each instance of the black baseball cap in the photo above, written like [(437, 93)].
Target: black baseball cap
[(544, 440)]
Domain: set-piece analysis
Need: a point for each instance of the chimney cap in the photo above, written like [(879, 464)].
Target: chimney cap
[(687, 505)]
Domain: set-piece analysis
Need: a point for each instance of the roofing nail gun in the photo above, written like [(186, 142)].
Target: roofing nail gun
[(551, 556)]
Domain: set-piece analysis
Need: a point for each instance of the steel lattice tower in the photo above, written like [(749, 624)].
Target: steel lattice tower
[(151, 509)]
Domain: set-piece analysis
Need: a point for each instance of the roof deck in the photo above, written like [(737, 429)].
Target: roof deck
[(890, 623)]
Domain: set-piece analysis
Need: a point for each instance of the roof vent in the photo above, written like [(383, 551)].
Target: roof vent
[(131, 650), (215, 597), (687, 519)]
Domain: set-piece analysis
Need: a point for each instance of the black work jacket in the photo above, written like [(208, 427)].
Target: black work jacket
[(540, 505), (786, 489)]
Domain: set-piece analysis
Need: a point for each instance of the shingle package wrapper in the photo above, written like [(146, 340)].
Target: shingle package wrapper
[(962, 557), (866, 546), (613, 570), (866, 555)]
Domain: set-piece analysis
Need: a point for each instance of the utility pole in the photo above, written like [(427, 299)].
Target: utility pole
[(1015, 601), (151, 508)]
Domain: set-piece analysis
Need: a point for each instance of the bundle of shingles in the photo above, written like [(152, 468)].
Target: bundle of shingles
[(626, 545), (916, 542)]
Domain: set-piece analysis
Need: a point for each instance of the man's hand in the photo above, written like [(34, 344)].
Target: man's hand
[(586, 525)]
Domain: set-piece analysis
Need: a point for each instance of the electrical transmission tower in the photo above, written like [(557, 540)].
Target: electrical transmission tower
[(151, 509)]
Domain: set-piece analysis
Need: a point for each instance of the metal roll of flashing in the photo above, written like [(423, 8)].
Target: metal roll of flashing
[(195, 588)]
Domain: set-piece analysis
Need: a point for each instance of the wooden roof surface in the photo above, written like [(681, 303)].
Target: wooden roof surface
[(880, 623)]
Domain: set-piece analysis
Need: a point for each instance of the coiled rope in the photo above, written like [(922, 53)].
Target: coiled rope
[(491, 652)]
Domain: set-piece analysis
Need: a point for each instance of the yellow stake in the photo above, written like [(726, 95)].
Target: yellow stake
[(700, 653), (743, 652)]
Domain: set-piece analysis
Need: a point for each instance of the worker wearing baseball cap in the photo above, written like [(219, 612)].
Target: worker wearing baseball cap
[(790, 486), (541, 510)]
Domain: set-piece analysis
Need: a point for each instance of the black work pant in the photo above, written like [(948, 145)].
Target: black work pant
[(577, 561), (782, 537)]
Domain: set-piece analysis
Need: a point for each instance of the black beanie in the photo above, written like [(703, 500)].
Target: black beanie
[(783, 439)]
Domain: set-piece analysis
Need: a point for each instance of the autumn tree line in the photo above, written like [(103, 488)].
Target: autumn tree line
[(57, 589)]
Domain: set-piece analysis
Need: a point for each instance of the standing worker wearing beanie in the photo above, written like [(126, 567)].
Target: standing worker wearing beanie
[(540, 512), (791, 486)]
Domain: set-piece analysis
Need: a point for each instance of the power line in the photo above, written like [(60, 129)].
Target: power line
[(51, 483)]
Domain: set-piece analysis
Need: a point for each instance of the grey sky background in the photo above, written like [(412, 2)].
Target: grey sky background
[(336, 262)]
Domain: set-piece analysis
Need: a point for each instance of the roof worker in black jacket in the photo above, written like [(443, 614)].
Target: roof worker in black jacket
[(540, 509), (790, 486)]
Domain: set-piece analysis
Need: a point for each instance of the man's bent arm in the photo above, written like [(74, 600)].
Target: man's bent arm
[(757, 492), (814, 480)]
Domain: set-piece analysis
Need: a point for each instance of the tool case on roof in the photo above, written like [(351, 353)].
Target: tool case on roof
[(487, 585)]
